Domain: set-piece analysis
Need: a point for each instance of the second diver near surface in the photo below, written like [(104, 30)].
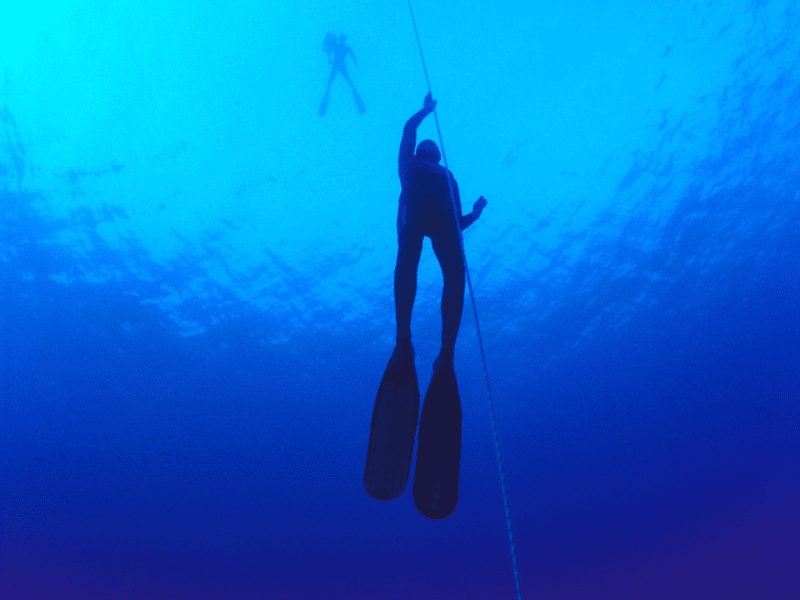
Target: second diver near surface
[(426, 209), (337, 52)]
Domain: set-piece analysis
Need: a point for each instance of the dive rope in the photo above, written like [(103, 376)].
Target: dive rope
[(477, 323)]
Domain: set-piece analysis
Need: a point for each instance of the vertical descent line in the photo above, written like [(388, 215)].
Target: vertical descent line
[(492, 414)]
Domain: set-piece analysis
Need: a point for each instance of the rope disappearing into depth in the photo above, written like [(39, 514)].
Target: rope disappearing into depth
[(477, 323)]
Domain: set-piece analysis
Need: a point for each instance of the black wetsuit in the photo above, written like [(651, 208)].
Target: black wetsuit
[(426, 210)]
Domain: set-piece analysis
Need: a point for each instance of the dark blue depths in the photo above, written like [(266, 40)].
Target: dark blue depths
[(656, 458)]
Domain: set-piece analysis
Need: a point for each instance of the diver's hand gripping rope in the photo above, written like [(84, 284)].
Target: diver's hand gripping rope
[(477, 323)]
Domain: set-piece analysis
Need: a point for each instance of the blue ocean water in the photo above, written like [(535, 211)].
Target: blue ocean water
[(196, 305)]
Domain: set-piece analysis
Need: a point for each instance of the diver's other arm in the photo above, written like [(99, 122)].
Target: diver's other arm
[(477, 209)]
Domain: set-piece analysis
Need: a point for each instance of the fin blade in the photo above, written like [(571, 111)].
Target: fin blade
[(359, 103), (393, 429), (439, 446), (323, 106)]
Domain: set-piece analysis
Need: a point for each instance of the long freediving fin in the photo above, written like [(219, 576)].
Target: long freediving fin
[(439, 446), (393, 427)]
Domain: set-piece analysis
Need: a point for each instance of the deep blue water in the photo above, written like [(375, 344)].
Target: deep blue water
[(196, 304)]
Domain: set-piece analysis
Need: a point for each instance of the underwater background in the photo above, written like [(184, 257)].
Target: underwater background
[(196, 303)]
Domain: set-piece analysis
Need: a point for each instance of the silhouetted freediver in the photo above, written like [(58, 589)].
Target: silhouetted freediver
[(426, 209), (337, 52)]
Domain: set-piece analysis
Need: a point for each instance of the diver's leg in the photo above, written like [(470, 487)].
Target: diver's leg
[(448, 251), (356, 97), (439, 440), (323, 105), (334, 70), (346, 76), (405, 280)]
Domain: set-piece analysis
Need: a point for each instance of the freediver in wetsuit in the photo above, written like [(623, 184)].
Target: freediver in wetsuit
[(337, 58), (426, 209)]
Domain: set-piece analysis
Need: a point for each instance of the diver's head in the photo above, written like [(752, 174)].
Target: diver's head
[(428, 150)]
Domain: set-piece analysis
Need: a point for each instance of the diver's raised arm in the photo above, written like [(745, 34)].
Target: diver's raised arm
[(409, 141), (428, 104)]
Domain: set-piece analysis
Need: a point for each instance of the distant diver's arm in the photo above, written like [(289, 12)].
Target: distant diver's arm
[(353, 54), (477, 209)]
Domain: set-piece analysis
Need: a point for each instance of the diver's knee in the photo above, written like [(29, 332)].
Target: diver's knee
[(454, 272)]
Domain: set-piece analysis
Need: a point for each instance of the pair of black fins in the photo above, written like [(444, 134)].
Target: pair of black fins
[(323, 107), (392, 432)]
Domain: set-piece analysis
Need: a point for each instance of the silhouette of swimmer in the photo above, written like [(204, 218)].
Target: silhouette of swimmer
[(426, 210), (337, 52)]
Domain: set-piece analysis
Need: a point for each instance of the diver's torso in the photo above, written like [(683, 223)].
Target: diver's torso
[(425, 202)]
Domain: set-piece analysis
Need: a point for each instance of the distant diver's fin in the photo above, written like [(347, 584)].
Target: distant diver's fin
[(323, 107), (359, 102), (439, 446), (394, 425)]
